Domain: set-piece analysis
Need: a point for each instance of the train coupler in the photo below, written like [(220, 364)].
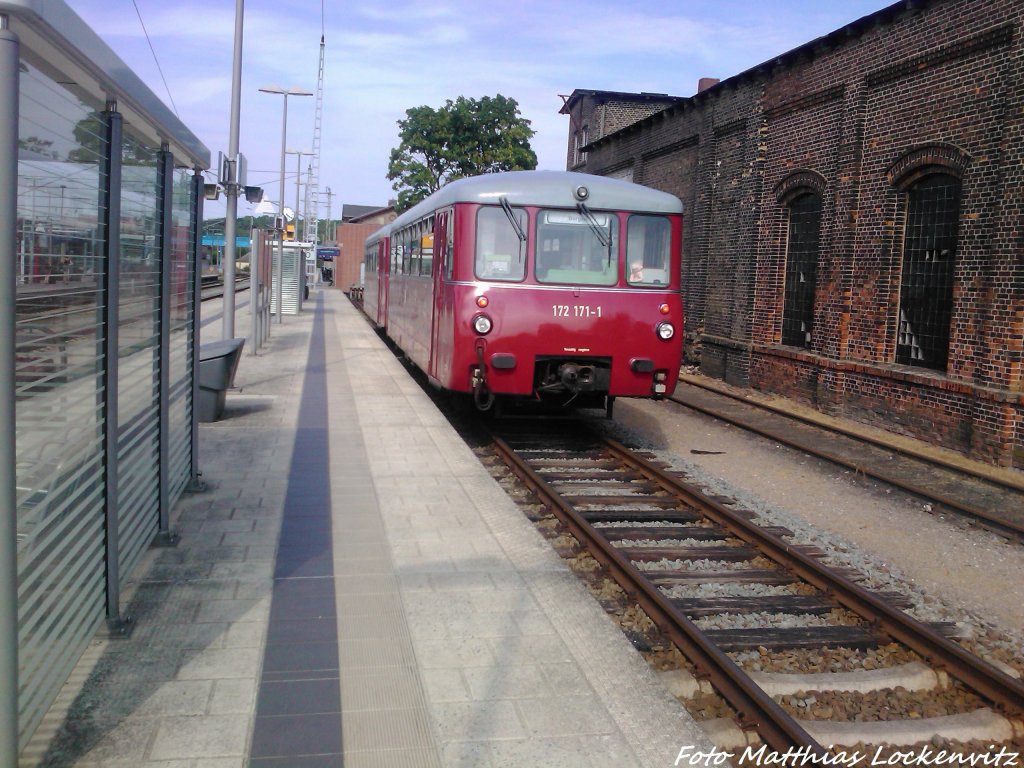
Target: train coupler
[(483, 398)]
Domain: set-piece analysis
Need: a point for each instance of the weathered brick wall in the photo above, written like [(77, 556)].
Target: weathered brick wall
[(581, 115), (604, 116), (617, 115), (351, 239), (672, 151), (802, 138), (854, 116)]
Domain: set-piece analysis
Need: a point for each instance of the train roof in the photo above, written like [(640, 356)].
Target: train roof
[(542, 188)]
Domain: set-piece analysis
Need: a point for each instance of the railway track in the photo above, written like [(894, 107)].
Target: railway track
[(735, 597), (213, 286), (992, 501)]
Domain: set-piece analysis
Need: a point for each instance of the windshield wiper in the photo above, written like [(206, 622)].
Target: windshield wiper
[(514, 222), (605, 239)]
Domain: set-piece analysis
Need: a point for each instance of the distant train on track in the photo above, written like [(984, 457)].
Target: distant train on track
[(542, 286)]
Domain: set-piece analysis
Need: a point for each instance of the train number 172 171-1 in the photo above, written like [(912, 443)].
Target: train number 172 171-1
[(575, 310)]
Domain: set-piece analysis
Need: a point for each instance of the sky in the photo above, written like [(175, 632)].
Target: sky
[(384, 58)]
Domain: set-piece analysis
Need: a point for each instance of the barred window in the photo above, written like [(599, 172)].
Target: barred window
[(926, 288), (579, 141), (801, 269)]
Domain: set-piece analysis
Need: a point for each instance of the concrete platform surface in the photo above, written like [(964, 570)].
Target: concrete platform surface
[(354, 589)]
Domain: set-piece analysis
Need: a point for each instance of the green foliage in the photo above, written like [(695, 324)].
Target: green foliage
[(465, 137), (38, 146), (90, 134)]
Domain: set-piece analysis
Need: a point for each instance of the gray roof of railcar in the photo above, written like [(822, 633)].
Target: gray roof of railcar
[(543, 188)]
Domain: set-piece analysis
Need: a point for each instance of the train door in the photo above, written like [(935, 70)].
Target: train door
[(441, 256), (384, 268)]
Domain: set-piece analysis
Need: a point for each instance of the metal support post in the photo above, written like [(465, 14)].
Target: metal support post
[(327, 226), (165, 200), (265, 324), (231, 185), (298, 183), (9, 59), (255, 293), (298, 251), (230, 239), (279, 266), (195, 485), (110, 192)]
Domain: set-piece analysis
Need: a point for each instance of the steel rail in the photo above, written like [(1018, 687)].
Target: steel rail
[(755, 708), (976, 673), (988, 519), (937, 461), (214, 289)]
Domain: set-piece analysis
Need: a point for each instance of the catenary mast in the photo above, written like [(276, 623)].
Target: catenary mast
[(310, 234)]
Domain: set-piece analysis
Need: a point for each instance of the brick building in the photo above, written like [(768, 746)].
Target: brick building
[(357, 223), (854, 219), (596, 114)]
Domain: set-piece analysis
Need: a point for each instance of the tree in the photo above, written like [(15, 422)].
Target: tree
[(90, 134), (465, 137), (38, 146)]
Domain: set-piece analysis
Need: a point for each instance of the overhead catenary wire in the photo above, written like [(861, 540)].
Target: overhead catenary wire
[(155, 58)]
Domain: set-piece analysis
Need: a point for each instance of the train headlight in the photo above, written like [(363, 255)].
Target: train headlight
[(664, 309), (665, 331), (481, 301), (482, 324)]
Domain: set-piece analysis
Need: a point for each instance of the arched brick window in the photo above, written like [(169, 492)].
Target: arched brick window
[(929, 256), (801, 268)]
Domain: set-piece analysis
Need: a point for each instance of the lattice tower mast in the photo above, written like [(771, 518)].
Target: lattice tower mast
[(313, 180)]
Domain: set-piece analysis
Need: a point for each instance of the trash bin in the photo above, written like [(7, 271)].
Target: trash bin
[(218, 362)]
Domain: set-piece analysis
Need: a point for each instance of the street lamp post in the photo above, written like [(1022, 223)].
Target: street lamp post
[(279, 271), (327, 226), (298, 181), (231, 183)]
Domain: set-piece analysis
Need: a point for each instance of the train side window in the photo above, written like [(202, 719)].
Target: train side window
[(450, 250), (648, 251), (500, 254), (416, 248), (427, 247), (406, 252)]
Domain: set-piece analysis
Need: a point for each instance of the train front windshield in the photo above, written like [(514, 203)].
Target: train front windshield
[(572, 247), (648, 250), (578, 248), (500, 244)]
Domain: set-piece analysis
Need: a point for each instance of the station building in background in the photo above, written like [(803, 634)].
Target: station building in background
[(358, 222), (854, 218), (99, 253)]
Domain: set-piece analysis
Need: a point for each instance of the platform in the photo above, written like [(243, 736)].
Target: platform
[(353, 588)]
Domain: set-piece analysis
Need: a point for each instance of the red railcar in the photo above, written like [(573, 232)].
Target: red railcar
[(539, 285)]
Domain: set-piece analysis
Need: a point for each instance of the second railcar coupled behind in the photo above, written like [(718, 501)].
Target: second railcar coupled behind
[(551, 286)]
